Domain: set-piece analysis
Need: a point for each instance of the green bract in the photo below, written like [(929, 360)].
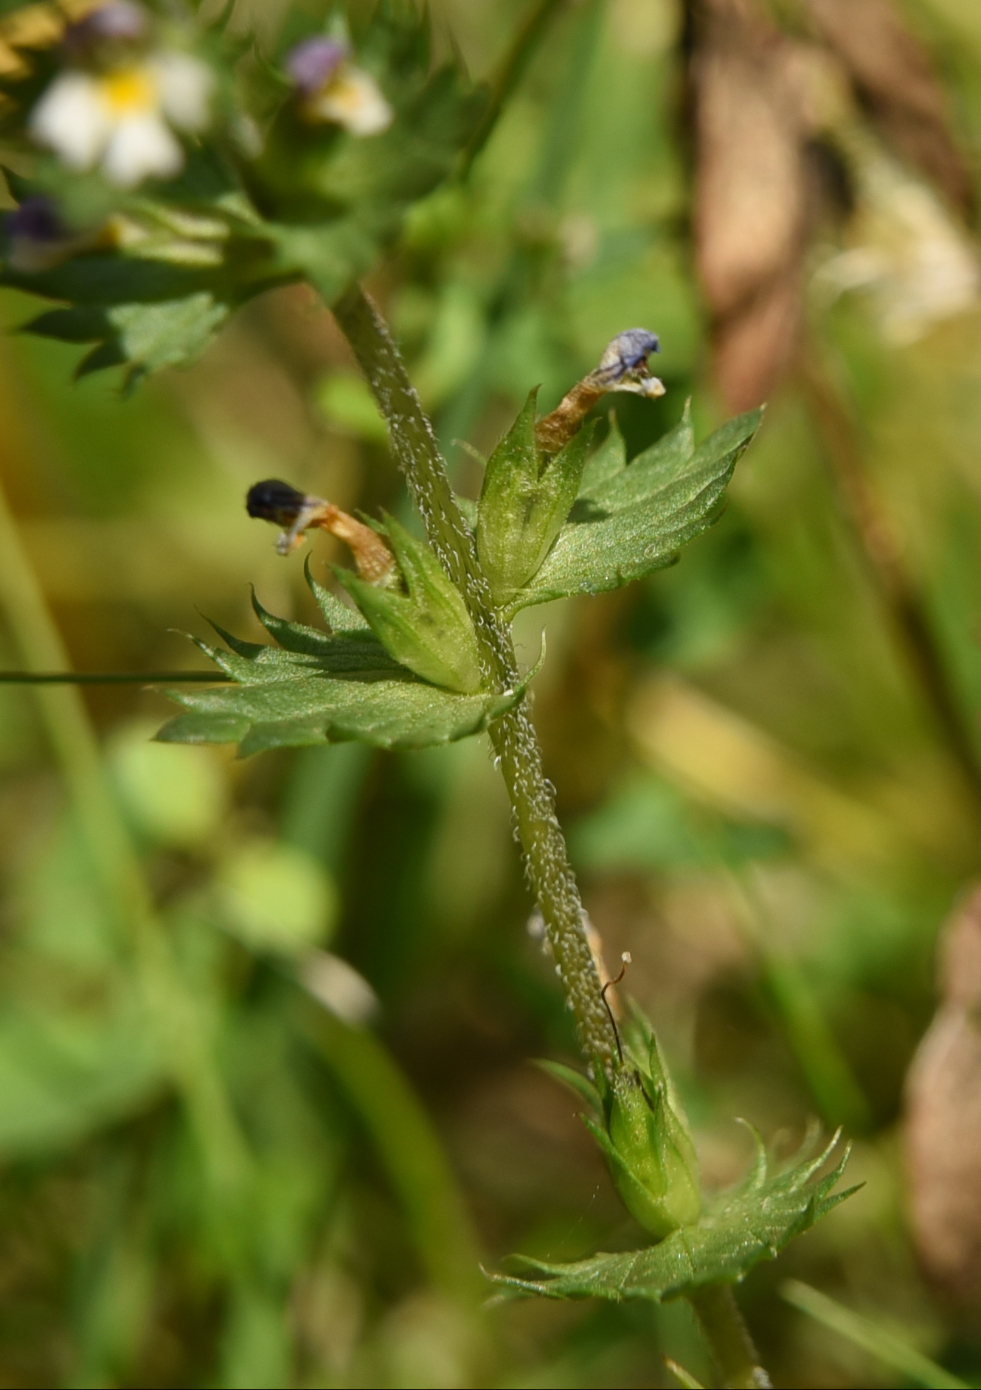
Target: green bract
[(525, 498), (317, 687), (752, 1223), (632, 519), (642, 1129), (428, 628)]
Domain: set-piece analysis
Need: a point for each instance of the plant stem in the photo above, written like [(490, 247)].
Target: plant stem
[(410, 1150), (510, 73), (728, 1336), (519, 752), (513, 735), (882, 551)]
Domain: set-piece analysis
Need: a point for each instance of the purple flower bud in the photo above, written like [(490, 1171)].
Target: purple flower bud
[(38, 221), (627, 353), (312, 64), (118, 22)]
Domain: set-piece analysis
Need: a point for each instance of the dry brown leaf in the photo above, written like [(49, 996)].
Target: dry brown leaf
[(895, 79), (943, 1117), (751, 196)]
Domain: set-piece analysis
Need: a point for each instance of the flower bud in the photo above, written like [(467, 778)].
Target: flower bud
[(623, 367), (276, 501), (526, 497), (427, 628), (647, 1143)]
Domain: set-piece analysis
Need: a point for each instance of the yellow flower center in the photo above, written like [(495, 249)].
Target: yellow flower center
[(130, 91)]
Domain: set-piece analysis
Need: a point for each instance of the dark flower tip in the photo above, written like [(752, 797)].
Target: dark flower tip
[(274, 500), (312, 63), (37, 220)]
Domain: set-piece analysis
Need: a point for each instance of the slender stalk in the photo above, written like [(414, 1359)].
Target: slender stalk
[(881, 549), (410, 1150), (510, 73), (728, 1335), (518, 750), (514, 738), (108, 677), (117, 867)]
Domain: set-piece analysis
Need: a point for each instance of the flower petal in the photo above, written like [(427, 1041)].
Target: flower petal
[(354, 100), (73, 119), (186, 85), (140, 146)]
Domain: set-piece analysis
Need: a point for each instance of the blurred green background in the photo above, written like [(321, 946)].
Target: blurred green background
[(766, 760)]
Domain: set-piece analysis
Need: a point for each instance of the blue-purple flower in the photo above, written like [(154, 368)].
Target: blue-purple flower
[(334, 90)]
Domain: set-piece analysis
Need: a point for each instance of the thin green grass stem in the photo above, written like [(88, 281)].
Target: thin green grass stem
[(863, 1332), (117, 867), (410, 1151), (826, 1069), (519, 55), (109, 678)]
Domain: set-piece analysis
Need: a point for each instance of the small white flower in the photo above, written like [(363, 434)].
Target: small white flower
[(352, 99), (124, 119), (335, 90)]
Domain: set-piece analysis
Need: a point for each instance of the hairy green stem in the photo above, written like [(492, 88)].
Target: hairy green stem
[(514, 738), (69, 731), (728, 1336), (518, 750)]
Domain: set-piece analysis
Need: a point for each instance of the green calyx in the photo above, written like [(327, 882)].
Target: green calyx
[(427, 628), (649, 1149), (525, 499), (643, 1132)]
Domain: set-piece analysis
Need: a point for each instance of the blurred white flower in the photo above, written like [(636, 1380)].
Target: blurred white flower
[(335, 91), (908, 252), (124, 119)]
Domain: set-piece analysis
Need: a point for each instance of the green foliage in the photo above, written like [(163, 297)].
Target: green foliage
[(801, 733), (427, 629), (65, 1075), (632, 519), (525, 498), (741, 1228), (317, 687), (317, 202)]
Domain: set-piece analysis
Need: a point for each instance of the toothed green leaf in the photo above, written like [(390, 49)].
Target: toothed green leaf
[(743, 1227), (629, 521), (315, 687)]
